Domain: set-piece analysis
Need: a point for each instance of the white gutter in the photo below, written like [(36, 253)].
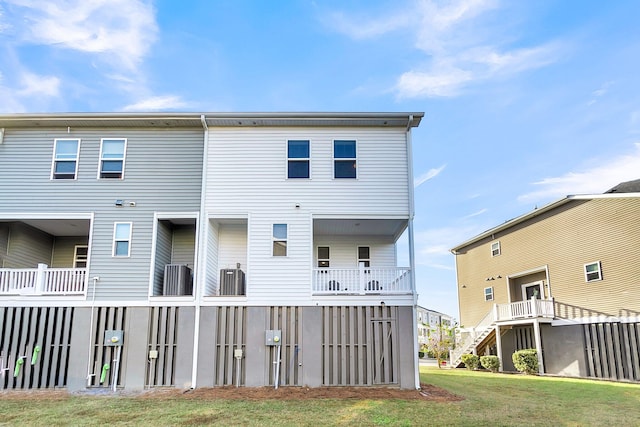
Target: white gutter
[(1, 135), (412, 261), (200, 254)]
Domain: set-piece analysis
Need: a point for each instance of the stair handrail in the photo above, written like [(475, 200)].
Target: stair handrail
[(469, 341)]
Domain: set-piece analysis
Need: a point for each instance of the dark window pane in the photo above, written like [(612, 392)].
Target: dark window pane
[(112, 166), (323, 264), (344, 149), (298, 169), (345, 169), (65, 167), (363, 252), (279, 248), (298, 150), (323, 252)]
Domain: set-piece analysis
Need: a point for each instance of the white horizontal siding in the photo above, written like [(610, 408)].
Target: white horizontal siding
[(233, 246), (247, 171), (279, 280)]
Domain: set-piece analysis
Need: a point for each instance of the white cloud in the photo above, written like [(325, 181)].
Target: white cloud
[(35, 85), (157, 103), (596, 180), (599, 93), (119, 30), (480, 212), (431, 173), (460, 46), (437, 242), (364, 28)]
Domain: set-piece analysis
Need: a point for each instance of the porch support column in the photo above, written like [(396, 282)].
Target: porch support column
[(499, 346), (536, 332)]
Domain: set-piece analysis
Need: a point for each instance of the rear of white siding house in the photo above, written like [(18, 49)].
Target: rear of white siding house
[(169, 271)]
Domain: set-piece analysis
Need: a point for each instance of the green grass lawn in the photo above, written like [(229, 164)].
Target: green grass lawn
[(489, 399)]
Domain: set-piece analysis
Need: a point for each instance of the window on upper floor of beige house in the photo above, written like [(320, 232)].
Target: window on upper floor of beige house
[(495, 249), (593, 271), (488, 294)]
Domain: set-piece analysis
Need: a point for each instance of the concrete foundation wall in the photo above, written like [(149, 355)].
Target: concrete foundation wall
[(564, 350)]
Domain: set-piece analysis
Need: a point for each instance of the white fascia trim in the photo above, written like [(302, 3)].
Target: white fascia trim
[(56, 215), (177, 215), (527, 272), (356, 216), (595, 319)]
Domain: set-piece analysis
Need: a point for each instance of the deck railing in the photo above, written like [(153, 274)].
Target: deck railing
[(533, 308), (43, 281), (361, 281)]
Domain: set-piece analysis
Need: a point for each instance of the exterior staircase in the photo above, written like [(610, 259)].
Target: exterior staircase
[(532, 308)]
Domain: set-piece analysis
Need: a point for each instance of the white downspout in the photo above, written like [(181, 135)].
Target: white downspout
[(412, 260), (200, 258)]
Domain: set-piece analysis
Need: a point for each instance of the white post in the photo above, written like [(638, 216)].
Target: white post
[(496, 313), (499, 346), (362, 277), (534, 306), (536, 332), (40, 276)]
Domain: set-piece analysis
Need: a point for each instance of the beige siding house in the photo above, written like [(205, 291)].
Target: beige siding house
[(563, 279)]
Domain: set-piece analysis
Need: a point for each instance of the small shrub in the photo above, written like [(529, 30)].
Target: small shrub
[(526, 361), (491, 363), (471, 361)]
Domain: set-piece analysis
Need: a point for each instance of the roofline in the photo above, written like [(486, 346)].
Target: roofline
[(404, 119), (539, 211)]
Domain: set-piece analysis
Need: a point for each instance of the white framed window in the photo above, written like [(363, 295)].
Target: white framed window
[(364, 256), (488, 293), (122, 239), (65, 158), (593, 271), (80, 254), (495, 248), (323, 257), (298, 159), (344, 159), (279, 234), (112, 155)]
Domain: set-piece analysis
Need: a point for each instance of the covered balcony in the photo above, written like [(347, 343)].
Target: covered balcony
[(360, 257), (44, 257)]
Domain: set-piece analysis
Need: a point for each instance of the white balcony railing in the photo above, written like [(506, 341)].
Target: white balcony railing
[(529, 309), (43, 281), (361, 281)]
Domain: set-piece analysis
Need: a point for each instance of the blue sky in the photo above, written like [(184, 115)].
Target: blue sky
[(525, 101)]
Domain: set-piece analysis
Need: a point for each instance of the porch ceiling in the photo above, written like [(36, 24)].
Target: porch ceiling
[(60, 227), (359, 227)]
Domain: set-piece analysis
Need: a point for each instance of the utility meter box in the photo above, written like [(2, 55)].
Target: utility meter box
[(113, 338), (273, 337)]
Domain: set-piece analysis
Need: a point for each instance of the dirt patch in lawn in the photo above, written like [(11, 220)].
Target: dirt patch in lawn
[(427, 392)]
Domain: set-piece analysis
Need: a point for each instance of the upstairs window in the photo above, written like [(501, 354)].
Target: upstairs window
[(298, 159), (364, 258), (495, 249), (65, 158), (344, 159), (592, 271), (112, 153), (279, 239), (488, 294), (122, 239), (323, 256)]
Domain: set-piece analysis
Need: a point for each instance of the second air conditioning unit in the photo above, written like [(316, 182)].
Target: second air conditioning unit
[(232, 281)]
